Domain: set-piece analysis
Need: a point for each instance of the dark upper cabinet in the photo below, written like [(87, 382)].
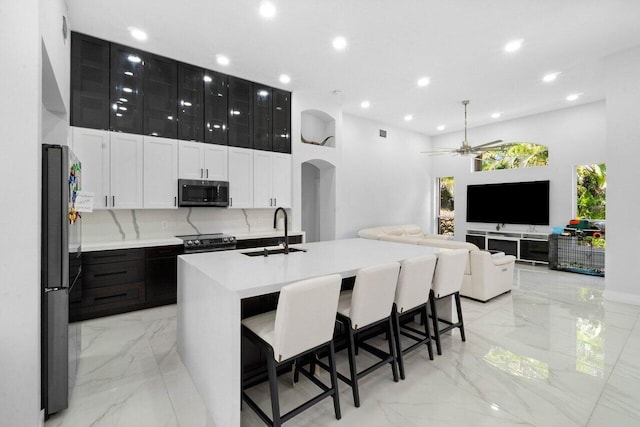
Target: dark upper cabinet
[(215, 107), (190, 103), (89, 82), (160, 96), (126, 95), (262, 117), (240, 106), (281, 121)]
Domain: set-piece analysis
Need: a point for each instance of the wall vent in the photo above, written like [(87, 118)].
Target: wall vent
[(383, 133)]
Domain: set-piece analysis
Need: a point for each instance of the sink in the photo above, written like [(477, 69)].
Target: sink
[(271, 251)]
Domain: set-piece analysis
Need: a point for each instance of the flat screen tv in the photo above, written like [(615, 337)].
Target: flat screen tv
[(509, 203)]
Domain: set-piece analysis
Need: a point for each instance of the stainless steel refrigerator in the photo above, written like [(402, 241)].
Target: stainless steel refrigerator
[(60, 270)]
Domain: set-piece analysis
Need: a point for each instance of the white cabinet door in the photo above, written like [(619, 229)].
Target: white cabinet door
[(262, 194), (215, 162), (126, 171), (281, 179), (160, 173), (92, 148), (240, 178), (191, 160)]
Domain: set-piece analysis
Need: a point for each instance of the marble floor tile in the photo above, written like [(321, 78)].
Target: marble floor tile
[(552, 352)]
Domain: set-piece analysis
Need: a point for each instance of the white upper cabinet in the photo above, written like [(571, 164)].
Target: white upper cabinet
[(271, 179), (202, 161), (111, 167), (92, 148), (160, 173), (126, 171), (240, 177), (281, 179)]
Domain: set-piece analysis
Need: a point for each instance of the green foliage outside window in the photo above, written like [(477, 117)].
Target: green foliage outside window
[(445, 217), (517, 155), (591, 191)]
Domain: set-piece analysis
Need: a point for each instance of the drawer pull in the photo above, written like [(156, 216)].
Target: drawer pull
[(110, 296), (114, 273)]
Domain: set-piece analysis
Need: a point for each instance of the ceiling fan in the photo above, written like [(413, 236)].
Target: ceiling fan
[(466, 148)]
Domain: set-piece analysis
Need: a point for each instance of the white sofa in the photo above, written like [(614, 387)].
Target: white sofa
[(486, 275)]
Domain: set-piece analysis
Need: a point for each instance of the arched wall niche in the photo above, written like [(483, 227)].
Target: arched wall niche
[(318, 128)]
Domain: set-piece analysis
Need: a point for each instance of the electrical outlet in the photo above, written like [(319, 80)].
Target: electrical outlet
[(165, 225)]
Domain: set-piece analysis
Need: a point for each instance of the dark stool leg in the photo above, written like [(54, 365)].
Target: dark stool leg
[(434, 317), (459, 308), (396, 325), (296, 370), (427, 331), (392, 350), (273, 389), (352, 365), (334, 380)]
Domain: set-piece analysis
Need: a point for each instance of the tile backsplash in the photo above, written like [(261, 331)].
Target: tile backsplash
[(126, 224)]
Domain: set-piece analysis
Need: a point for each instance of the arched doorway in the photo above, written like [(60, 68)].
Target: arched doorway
[(318, 200)]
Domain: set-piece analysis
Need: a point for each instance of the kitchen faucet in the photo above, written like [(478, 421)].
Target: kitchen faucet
[(286, 236)]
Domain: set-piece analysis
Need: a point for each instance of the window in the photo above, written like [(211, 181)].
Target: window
[(516, 155), (591, 188), (445, 208)]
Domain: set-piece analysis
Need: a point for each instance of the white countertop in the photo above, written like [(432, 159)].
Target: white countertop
[(167, 241), (129, 244), (249, 276)]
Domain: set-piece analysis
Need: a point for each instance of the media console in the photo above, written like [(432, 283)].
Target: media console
[(525, 246)]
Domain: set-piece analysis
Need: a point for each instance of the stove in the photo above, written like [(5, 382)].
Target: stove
[(207, 242)]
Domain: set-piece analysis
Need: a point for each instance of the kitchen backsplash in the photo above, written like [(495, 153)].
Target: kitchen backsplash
[(123, 224)]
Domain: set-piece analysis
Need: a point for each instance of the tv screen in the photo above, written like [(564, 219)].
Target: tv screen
[(509, 203)]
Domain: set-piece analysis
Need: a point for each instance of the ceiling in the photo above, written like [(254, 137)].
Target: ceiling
[(458, 44)]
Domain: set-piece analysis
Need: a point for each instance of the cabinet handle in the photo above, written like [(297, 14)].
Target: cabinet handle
[(207, 173), (175, 201), (230, 201), (275, 202), (201, 173), (106, 201), (113, 201)]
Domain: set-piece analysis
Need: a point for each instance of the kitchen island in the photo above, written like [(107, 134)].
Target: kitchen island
[(211, 287)]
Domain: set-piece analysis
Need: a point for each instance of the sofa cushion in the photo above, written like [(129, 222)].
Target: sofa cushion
[(413, 230), (401, 239)]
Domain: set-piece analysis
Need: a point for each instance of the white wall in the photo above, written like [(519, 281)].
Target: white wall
[(623, 198), (20, 50), (385, 180), (574, 136), (59, 54)]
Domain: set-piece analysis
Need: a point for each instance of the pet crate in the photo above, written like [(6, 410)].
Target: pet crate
[(573, 253)]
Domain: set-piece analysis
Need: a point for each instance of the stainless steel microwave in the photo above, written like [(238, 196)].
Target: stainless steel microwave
[(195, 192)]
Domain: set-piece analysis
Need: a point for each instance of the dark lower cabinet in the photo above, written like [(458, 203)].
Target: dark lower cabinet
[(534, 250), (509, 247), (476, 240), (112, 282), (161, 272)]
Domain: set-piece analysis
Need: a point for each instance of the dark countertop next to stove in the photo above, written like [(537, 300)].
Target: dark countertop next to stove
[(168, 241)]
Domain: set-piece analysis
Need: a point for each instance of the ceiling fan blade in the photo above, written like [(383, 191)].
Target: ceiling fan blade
[(486, 144), (480, 149)]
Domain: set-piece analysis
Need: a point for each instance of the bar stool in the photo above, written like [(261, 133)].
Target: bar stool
[(447, 281), (412, 297), (366, 307), (302, 323)]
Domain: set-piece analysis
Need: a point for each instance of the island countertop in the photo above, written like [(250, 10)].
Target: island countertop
[(212, 285)]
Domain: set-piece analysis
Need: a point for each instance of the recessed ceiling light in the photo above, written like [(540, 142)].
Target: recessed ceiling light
[(550, 77), (267, 9), (137, 34), (514, 45), (222, 60), (423, 81), (339, 43), (284, 78), (365, 104), (441, 127), (408, 117), (134, 58), (573, 96), (496, 115), (208, 79)]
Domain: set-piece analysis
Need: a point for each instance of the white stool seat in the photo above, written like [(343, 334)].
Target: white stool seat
[(262, 325)]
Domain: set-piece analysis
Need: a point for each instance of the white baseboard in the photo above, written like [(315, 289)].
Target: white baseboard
[(623, 297)]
